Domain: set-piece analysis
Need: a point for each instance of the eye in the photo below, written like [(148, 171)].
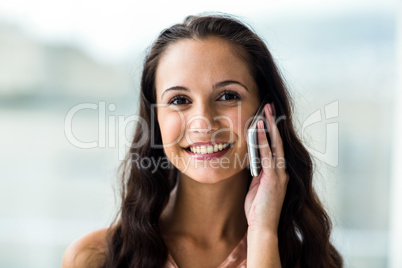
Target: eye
[(179, 100), (228, 95)]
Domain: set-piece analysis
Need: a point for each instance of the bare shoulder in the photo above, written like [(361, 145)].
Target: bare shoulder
[(87, 251)]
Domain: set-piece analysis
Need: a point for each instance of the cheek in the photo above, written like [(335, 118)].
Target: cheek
[(171, 127), (239, 121)]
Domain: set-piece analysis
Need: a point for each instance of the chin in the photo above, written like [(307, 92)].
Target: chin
[(211, 170), (208, 174)]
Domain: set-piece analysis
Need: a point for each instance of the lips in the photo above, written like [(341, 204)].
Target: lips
[(207, 143), (205, 151), (208, 148)]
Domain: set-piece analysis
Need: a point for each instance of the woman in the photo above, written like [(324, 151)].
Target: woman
[(197, 204)]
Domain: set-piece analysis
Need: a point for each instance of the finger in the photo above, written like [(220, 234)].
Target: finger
[(280, 160), (265, 150), (273, 109), (276, 140)]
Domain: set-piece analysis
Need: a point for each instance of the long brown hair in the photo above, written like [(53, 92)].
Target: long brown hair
[(304, 227)]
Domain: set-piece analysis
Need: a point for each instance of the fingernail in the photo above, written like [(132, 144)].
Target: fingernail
[(269, 108)]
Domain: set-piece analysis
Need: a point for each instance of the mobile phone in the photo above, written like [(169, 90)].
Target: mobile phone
[(252, 139)]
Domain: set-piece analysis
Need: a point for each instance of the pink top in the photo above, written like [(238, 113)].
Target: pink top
[(236, 259)]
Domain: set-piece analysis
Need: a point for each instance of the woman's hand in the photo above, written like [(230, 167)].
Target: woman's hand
[(265, 197), (264, 200)]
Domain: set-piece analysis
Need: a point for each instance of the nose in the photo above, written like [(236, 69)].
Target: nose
[(203, 119)]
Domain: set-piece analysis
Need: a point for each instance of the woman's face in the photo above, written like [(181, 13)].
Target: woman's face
[(206, 98)]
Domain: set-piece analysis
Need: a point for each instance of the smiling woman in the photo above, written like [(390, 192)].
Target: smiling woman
[(205, 79)]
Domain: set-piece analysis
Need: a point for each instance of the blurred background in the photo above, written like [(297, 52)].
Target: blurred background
[(75, 65)]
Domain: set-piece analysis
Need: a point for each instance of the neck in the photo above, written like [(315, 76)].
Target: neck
[(207, 212)]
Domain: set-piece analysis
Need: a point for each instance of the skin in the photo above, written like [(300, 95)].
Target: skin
[(202, 194), (211, 208)]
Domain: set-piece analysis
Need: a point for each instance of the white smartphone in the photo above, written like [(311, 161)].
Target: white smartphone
[(252, 139)]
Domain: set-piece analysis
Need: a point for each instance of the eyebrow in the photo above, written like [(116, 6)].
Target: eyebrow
[(217, 85)]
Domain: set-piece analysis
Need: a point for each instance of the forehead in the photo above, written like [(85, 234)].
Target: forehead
[(191, 62)]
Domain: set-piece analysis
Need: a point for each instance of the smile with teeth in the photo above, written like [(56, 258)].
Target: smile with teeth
[(208, 149)]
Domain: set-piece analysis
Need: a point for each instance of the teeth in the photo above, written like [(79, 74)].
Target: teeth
[(203, 149), (209, 149)]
